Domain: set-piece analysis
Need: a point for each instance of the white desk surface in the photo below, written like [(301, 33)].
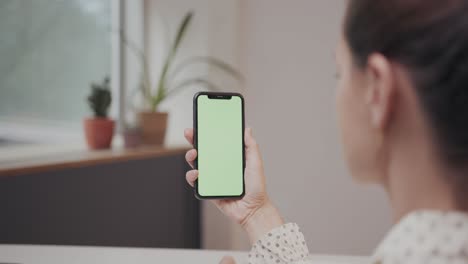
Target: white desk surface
[(103, 255)]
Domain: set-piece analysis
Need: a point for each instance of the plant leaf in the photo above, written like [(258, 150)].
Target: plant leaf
[(216, 63), (140, 54), (182, 29), (161, 92), (196, 81), (131, 44)]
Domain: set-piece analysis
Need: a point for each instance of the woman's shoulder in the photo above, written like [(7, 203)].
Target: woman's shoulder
[(423, 235)]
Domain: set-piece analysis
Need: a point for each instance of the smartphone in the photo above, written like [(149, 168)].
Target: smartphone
[(218, 121)]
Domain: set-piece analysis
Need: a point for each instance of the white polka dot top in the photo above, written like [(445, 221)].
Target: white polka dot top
[(428, 237)]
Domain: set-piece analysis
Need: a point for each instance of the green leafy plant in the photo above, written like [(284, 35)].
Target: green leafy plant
[(166, 86), (100, 98)]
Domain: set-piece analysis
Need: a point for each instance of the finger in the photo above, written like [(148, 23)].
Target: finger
[(251, 146), (227, 260), (191, 176), (190, 157), (188, 133), (249, 139)]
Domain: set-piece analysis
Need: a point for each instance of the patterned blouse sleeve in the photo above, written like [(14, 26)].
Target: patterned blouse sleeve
[(284, 244)]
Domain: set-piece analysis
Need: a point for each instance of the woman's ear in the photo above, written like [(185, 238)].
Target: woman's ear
[(380, 91)]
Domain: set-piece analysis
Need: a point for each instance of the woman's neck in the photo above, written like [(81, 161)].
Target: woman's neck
[(416, 180), (415, 177)]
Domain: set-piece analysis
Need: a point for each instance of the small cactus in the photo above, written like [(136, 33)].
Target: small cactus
[(100, 98)]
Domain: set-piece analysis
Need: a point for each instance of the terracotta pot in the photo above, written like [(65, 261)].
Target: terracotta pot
[(153, 127), (99, 132)]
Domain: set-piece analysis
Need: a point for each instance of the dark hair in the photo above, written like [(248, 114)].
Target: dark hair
[(430, 39)]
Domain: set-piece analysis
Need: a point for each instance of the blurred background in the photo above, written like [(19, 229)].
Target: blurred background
[(77, 169)]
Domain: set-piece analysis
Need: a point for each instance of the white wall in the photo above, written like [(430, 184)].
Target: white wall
[(285, 49)]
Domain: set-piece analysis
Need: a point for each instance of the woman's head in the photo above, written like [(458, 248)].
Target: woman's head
[(404, 67)]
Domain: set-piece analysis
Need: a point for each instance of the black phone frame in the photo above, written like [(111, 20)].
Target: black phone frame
[(220, 96)]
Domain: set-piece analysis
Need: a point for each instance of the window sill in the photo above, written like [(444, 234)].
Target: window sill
[(57, 158)]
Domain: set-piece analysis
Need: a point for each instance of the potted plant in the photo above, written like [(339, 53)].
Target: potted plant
[(99, 130), (131, 136), (153, 122)]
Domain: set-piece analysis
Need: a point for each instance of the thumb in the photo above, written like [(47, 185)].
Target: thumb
[(227, 260)]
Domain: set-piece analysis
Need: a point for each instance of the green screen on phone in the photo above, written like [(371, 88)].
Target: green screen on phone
[(220, 146)]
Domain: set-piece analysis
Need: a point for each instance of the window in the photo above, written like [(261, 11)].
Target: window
[(51, 51)]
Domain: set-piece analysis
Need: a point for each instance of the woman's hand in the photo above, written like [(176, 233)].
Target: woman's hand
[(254, 211)]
